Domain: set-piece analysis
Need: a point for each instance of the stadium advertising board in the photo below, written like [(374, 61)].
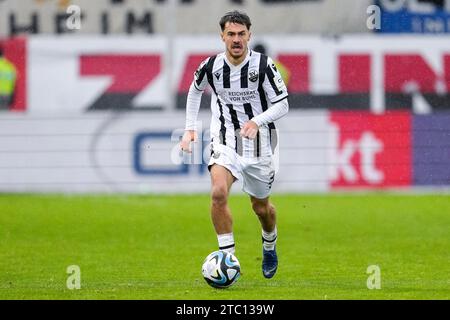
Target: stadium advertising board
[(97, 118), (414, 16), (431, 139), (138, 152), (371, 150), (96, 74), (163, 16), (15, 50), (351, 73)]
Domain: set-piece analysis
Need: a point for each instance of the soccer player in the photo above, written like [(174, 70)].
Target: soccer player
[(248, 96)]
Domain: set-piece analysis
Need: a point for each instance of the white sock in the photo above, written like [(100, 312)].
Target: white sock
[(226, 242), (269, 239)]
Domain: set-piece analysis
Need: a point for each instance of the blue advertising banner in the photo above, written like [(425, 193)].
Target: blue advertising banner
[(414, 16), (431, 155)]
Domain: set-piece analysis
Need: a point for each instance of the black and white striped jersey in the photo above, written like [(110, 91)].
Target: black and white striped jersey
[(239, 94)]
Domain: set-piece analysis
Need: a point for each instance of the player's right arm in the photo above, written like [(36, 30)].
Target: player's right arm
[(193, 105)]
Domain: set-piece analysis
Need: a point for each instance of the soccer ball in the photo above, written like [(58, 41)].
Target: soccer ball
[(221, 269)]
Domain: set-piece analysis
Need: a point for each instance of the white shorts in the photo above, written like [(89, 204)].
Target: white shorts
[(256, 174)]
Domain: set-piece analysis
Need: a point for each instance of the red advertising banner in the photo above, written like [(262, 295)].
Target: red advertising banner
[(130, 73), (15, 50), (370, 150)]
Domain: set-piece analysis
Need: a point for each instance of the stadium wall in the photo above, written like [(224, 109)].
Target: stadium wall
[(68, 138)]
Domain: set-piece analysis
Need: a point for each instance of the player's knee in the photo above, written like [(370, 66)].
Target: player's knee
[(271, 209), (219, 195), (261, 209)]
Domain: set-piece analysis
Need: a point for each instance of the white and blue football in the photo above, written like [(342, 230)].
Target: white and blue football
[(221, 269)]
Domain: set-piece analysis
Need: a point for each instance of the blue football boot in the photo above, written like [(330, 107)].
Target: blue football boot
[(269, 263)]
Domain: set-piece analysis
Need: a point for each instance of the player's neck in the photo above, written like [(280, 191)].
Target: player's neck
[(236, 61)]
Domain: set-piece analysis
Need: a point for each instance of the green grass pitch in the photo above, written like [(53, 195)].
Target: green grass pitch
[(152, 247)]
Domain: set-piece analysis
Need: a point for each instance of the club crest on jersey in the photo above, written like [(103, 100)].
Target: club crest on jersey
[(217, 74), (253, 75)]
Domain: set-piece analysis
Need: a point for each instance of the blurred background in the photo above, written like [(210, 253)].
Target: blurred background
[(92, 93)]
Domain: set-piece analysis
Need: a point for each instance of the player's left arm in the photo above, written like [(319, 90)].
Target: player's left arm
[(276, 91)]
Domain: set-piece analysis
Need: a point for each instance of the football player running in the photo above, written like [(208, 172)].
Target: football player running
[(248, 96)]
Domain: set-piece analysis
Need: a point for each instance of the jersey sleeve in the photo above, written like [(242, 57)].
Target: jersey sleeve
[(200, 78), (273, 84)]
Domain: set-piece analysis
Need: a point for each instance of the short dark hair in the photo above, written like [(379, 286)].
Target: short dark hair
[(235, 17)]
